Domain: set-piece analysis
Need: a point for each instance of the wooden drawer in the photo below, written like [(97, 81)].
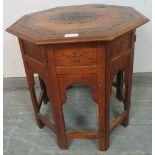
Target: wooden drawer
[(78, 56)]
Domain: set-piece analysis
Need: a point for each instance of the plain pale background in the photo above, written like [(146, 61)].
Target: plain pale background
[(14, 9)]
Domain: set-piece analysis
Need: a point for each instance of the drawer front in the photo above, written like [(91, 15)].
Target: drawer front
[(79, 56)]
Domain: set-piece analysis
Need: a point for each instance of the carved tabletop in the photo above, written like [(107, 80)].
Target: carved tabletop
[(91, 22)]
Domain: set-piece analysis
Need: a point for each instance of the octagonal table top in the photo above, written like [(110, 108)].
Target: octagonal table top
[(78, 23)]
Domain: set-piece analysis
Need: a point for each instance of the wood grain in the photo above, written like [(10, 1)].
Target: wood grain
[(93, 22)]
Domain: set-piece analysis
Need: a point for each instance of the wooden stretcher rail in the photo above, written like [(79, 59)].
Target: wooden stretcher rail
[(88, 135), (41, 97), (118, 120), (47, 122)]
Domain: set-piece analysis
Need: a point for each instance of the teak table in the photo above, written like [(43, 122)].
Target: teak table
[(85, 44)]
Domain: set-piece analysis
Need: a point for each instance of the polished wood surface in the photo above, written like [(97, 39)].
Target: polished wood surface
[(92, 22), (103, 49)]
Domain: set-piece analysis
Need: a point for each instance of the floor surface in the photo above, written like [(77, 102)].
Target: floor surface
[(23, 137)]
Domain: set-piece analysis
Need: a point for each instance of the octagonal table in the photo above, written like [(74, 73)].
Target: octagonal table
[(85, 44)]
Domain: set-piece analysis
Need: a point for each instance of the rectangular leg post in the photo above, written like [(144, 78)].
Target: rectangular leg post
[(103, 101), (104, 120), (53, 93), (30, 80), (127, 102), (57, 112), (33, 97), (128, 83), (61, 131)]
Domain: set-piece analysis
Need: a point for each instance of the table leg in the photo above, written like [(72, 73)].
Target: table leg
[(103, 112), (60, 126), (127, 96), (128, 83), (36, 108), (57, 111), (104, 124), (119, 85)]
